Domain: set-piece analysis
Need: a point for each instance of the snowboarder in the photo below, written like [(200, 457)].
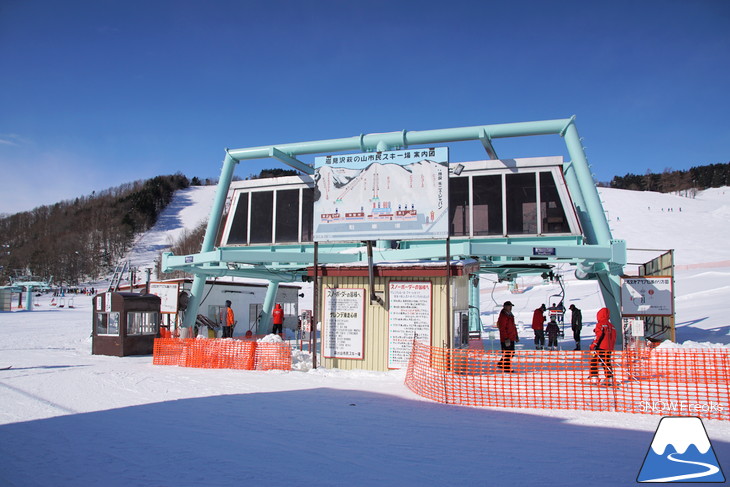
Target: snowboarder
[(553, 330), (602, 347), (538, 319), (576, 323), (277, 316), (507, 336)]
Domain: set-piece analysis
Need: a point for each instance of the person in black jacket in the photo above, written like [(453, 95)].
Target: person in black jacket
[(576, 323)]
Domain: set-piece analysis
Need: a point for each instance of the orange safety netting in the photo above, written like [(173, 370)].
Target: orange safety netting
[(676, 382), (221, 354)]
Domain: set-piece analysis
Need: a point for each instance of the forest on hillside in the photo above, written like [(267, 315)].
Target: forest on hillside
[(695, 178), (86, 237)]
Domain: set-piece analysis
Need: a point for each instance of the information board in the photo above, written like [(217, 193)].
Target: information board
[(397, 194), (647, 296), (168, 293), (409, 316), (344, 323)]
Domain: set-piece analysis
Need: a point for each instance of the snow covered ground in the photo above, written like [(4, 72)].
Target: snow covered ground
[(69, 418)]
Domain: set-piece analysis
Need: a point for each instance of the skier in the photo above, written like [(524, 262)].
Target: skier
[(553, 330), (538, 319), (507, 336), (277, 316), (576, 323), (602, 347)]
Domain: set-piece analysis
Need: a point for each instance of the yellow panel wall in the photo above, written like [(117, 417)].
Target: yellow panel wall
[(375, 340)]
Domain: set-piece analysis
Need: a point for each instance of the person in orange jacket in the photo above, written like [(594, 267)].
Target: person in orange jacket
[(603, 346), (507, 336), (230, 321), (277, 317)]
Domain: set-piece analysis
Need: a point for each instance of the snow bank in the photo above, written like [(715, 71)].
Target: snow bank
[(689, 344)]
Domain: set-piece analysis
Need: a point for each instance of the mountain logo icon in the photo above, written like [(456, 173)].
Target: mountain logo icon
[(680, 452)]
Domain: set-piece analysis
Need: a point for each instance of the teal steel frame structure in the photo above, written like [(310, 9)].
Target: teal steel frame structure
[(596, 254)]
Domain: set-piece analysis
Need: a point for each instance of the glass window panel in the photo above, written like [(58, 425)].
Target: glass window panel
[(521, 204), (239, 227), (113, 320), (262, 212), (101, 324), (287, 215), (553, 213), (133, 323), (307, 214), (142, 323), (487, 201), (459, 207)]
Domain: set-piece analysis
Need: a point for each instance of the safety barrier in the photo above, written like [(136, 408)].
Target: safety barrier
[(222, 354), (676, 382)]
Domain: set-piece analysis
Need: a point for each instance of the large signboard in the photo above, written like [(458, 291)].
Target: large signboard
[(382, 195), (168, 294), (409, 317), (646, 296), (344, 323)]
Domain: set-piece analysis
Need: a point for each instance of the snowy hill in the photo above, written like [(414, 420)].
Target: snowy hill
[(189, 208)]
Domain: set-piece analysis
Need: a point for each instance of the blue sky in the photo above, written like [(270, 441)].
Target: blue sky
[(97, 93)]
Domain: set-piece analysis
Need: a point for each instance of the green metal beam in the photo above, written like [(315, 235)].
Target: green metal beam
[(291, 161)]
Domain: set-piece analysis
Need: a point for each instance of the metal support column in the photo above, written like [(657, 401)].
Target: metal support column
[(265, 321), (475, 323), (211, 232)]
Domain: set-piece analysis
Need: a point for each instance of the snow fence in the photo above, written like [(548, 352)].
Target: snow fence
[(223, 353), (669, 382)]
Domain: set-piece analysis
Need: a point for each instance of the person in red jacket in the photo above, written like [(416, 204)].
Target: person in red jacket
[(277, 317), (538, 321), (603, 346), (507, 336)]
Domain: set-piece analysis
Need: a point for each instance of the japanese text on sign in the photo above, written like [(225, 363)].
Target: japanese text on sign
[(344, 321), (410, 316)]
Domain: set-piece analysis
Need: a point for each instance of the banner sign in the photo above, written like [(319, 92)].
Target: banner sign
[(410, 316), (344, 323), (647, 296), (382, 195)]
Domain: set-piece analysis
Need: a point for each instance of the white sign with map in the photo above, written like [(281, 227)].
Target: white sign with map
[(168, 294), (382, 195)]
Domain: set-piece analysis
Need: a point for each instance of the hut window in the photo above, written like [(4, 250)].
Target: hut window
[(521, 204), (487, 205), (142, 323), (307, 214), (459, 207), (553, 213), (262, 212), (287, 215), (107, 324), (239, 226)]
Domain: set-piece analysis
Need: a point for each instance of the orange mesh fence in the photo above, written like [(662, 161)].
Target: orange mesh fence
[(677, 382), (221, 354)]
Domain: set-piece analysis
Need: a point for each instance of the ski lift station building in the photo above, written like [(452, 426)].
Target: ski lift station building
[(395, 235)]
